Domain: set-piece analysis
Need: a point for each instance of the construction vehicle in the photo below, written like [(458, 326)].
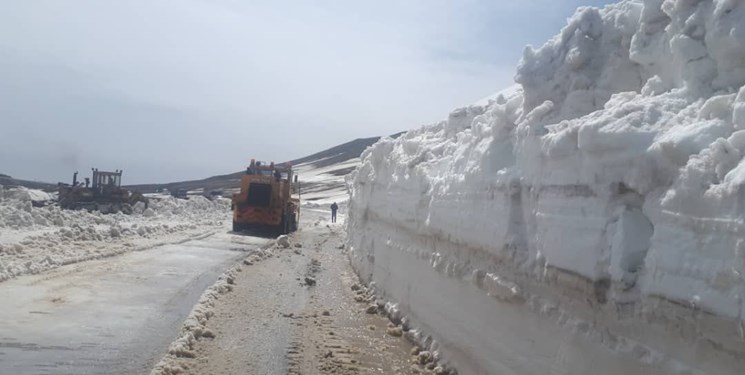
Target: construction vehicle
[(180, 193), (265, 202), (102, 193)]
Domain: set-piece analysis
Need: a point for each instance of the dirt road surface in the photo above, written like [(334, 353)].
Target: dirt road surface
[(295, 313), (111, 316)]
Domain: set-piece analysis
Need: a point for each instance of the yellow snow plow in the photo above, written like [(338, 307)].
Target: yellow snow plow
[(265, 202)]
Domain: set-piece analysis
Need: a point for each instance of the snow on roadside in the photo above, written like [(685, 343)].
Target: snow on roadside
[(195, 325), (604, 195), (35, 239)]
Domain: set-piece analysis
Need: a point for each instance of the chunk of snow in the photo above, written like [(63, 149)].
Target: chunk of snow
[(283, 241)]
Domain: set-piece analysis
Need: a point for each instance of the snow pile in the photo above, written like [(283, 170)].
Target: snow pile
[(24, 194), (604, 195), (192, 209), (195, 326), (34, 239), (283, 241)]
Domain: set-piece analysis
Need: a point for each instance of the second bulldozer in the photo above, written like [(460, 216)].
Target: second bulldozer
[(101, 193)]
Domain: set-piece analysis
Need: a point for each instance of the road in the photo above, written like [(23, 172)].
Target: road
[(111, 316), (275, 322), (118, 315)]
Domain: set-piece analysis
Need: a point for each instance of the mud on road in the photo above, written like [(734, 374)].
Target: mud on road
[(295, 312)]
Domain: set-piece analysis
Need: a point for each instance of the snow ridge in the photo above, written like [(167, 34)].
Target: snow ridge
[(36, 239), (610, 184)]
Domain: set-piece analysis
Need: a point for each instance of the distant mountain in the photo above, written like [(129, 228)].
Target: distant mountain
[(340, 153), (8, 181), (333, 155)]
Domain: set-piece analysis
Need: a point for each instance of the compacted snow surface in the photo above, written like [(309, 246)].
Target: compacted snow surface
[(35, 239), (324, 185), (593, 215)]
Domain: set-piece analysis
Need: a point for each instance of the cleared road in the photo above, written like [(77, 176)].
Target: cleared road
[(112, 316), (275, 322)]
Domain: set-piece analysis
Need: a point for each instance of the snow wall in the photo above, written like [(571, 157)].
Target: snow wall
[(590, 220)]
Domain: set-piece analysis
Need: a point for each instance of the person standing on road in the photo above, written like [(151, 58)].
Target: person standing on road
[(334, 207)]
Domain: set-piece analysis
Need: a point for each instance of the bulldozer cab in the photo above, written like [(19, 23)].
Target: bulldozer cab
[(280, 172), (102, 180)]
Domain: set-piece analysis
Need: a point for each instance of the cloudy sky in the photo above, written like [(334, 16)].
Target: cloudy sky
[(179, 89)]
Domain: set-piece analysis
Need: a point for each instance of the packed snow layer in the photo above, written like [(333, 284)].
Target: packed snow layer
[(600, 205), (35, 239)]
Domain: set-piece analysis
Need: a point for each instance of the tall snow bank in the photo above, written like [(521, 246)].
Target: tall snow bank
[(611, 184)]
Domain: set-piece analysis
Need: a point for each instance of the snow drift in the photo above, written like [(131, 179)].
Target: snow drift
[(592, 218), (35, 239)]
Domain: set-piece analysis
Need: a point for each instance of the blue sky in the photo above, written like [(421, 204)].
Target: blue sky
[(181, 89)]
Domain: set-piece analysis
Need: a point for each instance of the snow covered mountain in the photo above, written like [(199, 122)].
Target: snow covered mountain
[(339, 155), (330, 166), (589, 221)]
